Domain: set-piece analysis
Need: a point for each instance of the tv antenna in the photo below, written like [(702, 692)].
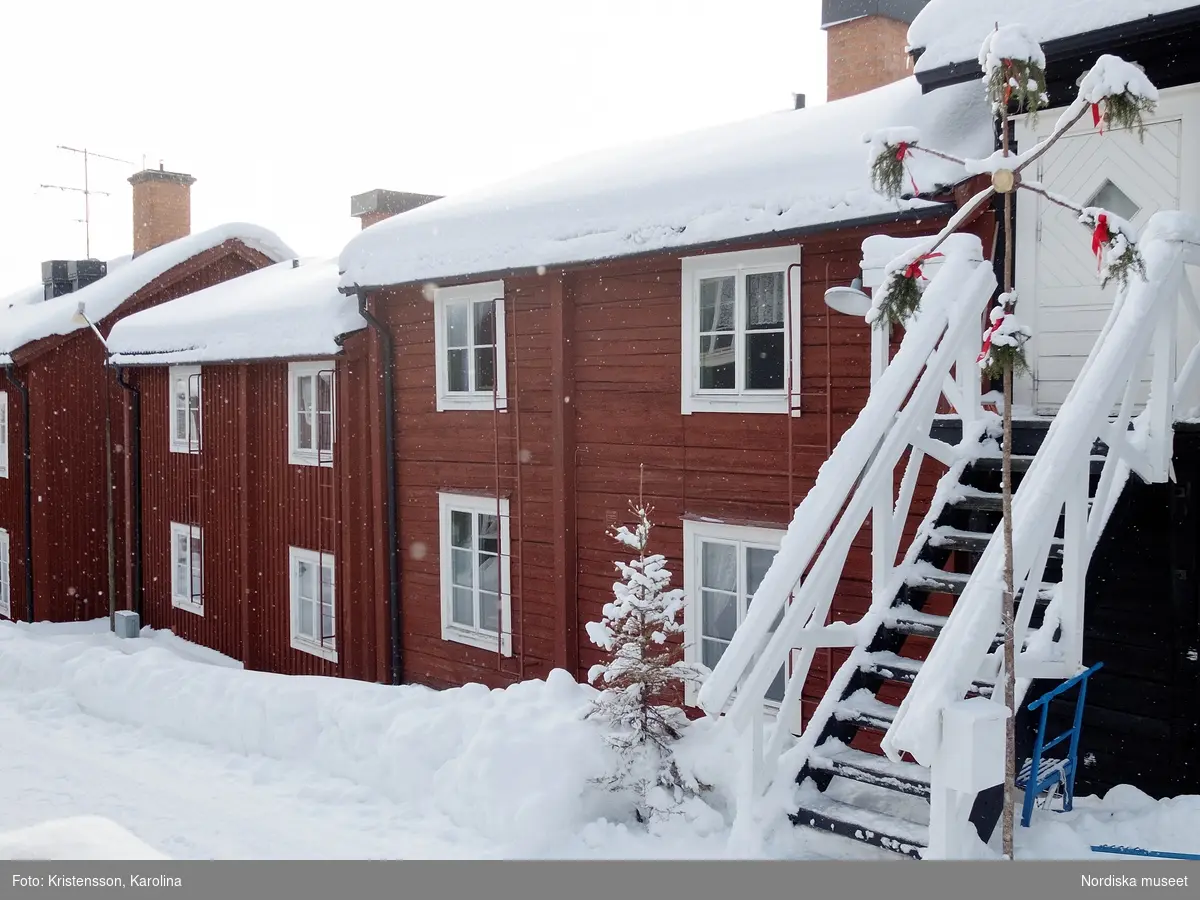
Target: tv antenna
[(86, 190)]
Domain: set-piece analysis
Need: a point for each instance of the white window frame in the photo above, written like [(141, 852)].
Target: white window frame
[(738, 264), (182, 598), (454, 631), (3, 434), (187, 443), (470, 294), (311, 456), (5, 575), (300, 641), (696, 533)]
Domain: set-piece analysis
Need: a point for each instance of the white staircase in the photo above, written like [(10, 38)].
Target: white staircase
[(931, 637)]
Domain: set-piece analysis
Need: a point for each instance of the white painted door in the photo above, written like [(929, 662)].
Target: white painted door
[(1114, 171)]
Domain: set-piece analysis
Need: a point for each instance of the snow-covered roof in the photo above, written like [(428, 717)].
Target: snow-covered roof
[(32, 321), (286, 311), (787, 170), (952, 31)]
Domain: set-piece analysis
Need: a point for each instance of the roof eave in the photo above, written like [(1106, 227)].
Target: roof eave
[(939, 207), (1162, 25)]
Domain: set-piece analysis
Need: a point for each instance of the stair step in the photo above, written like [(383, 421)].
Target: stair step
[(941, 582), (864, 710), (947, 538), (870, 768), (893, 667), (906, 620), (891, 833), (986, 501), (1021, 463)]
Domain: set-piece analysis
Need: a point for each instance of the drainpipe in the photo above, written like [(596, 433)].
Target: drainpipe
[(390, 513), (135, 486), (22, 388)]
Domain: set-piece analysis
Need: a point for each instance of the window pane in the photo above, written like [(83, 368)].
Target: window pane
[(485, 322), (718, 368), (711, 652), (456, 325), (304, 393), (463, 607), (325, 391), (304, 412), (764, 361), (327, 626), (775, 691), (457, 376), (327, 584), (325, 433), (197, 568), (489, 612), (489, 572), (720, 617), (764, 300), (460, 529), (305, 625), (305, 582), (460, 567), (719, 566), (180, 423), (488, 533), (485, 369), (758, 560), (717, 301)]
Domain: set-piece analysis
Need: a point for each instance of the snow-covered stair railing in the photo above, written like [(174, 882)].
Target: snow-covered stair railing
[(935, 358), (1140, 331), (856, 489)]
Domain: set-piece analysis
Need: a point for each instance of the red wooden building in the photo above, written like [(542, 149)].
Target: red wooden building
[(257, 504), (58, 399), (649, 319)]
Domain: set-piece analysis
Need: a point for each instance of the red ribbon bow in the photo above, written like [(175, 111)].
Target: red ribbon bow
[(901, 154), (1096, 117), (1008, 89), (1100, 237), (913, 270), (987, 338)]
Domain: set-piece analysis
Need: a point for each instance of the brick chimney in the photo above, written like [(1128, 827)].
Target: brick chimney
[(162, 208), (867, 42), (377, 205)]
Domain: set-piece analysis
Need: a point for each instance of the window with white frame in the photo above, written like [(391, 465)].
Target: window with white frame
[(314, 606), (738, 336), (187, 568), (475, 558), (3, 434), (185, 408), (722, 568), (310, 413), (469, 341), (5, 575)]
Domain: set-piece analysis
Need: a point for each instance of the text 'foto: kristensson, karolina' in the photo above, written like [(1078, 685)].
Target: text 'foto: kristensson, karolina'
[(1132, 881), (96, 881)]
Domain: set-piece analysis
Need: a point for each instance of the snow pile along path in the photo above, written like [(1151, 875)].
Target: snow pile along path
[(79, 837)]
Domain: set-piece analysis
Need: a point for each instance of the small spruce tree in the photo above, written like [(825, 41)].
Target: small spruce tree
[(642, 675)]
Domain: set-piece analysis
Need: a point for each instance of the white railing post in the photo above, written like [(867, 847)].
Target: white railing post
[(1162, 394), (966, 373), (1075, 563), (881, 346)]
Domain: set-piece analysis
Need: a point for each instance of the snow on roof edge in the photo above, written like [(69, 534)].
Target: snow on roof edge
[(788, 172)]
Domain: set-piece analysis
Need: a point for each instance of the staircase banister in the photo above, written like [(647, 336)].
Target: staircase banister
[(820, 508), (953, 662)]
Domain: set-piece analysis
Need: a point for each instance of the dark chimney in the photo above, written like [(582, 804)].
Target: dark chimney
[(799, 101), (65, 276), (379, 204)]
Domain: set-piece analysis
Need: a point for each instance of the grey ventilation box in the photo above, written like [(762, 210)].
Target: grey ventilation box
[(127, 624)]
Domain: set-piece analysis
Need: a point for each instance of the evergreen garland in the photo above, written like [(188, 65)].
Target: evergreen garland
[(901, 298), (1019, 81), (1121, 260), (887, 170), (1125, 110)]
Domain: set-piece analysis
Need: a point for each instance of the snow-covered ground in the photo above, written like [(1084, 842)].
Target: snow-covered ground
[(153, 746)]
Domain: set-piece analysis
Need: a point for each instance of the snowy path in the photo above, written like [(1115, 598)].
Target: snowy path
[(190, 801)]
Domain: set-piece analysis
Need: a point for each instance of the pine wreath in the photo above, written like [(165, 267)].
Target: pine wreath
[(887, 169), (1019, 81), (1125, 111), (901, 298)]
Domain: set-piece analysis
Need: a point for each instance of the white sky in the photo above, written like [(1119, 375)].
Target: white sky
[(282, 110)]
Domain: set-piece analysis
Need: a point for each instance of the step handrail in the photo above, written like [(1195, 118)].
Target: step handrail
[(1143, 309)]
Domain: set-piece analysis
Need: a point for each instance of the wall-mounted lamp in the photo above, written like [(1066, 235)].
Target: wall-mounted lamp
[(850, 301)]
